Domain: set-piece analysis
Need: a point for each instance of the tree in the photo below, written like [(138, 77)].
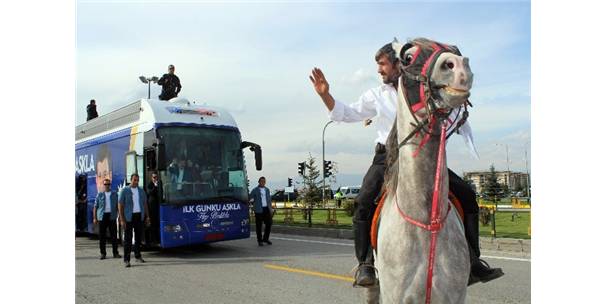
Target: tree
[(491, 187), (311, 192)]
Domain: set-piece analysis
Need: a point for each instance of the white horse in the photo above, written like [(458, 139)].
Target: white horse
[(435, 82)]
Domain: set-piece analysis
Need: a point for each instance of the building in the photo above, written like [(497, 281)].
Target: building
[(513, 180)]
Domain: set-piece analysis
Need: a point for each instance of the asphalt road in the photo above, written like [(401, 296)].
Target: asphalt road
[(295, 269)]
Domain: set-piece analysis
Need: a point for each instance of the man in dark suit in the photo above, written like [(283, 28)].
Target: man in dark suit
[(91, 110), (154, 197), (171, 85), (263, 211)]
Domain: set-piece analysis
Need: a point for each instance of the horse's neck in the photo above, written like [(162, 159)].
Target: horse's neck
[(416, 174)]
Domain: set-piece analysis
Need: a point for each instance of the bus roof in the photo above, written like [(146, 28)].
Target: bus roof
[(147, 113)]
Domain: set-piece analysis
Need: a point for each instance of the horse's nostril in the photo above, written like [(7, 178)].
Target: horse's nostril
[(450, 65)]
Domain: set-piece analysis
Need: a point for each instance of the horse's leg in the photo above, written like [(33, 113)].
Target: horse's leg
[(372, 294)]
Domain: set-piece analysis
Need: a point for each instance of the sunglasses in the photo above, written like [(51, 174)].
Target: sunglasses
[(107, 184)]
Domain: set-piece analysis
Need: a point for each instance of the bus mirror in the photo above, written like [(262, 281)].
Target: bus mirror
[(160, 157), (257, 149), (258, 158)]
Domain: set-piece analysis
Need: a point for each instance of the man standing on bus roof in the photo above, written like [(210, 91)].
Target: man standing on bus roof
[(132, 208), (91, 110), (263, 211), (105, 212), (171, 85)]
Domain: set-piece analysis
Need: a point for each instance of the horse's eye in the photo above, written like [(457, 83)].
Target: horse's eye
[(407, 59)]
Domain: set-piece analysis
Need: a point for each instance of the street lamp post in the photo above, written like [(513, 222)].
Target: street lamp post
[(324, 173), (149, 81), (508, 172)]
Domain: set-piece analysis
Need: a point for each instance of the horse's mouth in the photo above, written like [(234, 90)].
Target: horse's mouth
[(455, 91)]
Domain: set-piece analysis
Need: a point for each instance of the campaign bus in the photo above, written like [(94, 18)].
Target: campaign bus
[(197, 152)]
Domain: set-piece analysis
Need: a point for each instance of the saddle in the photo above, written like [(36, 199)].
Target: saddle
[(374, 228)]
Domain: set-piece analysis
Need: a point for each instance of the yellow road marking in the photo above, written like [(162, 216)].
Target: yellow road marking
[(311, 273)]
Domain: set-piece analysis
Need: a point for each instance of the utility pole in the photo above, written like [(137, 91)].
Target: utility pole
[(323, 160)]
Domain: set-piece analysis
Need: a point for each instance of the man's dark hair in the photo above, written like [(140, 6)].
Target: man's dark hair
[(133, 175), (260, 178), (92, 101), (387, 50), (103, 153)]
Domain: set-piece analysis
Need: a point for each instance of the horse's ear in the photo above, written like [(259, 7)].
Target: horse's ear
[(397, 47)]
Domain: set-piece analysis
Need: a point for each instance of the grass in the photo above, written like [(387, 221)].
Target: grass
[(505, 227)]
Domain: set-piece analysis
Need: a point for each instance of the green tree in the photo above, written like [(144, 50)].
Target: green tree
[(491, 187), (311, 192)]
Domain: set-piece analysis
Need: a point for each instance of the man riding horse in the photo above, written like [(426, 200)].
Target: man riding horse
[(381, 102)]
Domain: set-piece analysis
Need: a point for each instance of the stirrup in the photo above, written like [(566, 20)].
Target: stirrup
[(357, 268)]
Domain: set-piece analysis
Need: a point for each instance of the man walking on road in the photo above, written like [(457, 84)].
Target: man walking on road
[(91, 110), (171, 85), (263, 211), (132, 206), (382, 103), (105, 212)]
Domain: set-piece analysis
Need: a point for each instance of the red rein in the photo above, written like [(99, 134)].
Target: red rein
[(436, 223)]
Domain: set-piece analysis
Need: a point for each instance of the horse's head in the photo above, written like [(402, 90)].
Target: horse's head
[(434, 75)]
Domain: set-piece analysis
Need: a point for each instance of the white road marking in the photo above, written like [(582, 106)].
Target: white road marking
[(352, 245)]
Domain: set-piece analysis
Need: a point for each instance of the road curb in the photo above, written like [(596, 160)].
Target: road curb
[(487, 243)]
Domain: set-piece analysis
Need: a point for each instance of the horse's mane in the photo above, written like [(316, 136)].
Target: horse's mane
[(391, 161)]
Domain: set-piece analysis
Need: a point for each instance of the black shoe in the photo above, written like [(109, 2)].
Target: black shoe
[(481, 271), (365, 276), (102, 257), (260, 243), (140, 260), (268, 242), (127, 264), (117, 256)]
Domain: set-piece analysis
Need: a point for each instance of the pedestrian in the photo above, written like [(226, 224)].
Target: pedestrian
[(132, 208), (105, 212), (263, 211), (81, 196), (171, 85), (154, 197), (380, 103), (339, 197), (91, 110)]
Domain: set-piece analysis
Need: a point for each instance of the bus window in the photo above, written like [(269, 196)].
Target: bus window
[(205, 163)]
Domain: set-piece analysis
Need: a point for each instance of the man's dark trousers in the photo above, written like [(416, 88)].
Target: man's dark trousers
[(137, 225), (260, 219), (105, 223), (365, 205)]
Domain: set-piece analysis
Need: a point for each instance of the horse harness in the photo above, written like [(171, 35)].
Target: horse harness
[(419, 94)]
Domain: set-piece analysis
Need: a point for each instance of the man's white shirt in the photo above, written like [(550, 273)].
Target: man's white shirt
[(263, 197), (136, 206), (380, 103), (108, 206)]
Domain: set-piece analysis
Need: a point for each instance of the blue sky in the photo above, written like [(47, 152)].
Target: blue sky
[(254, 59)]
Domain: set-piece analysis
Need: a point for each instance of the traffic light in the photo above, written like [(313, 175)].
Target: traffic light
[(301, 168), (327, 168), (290, 182)]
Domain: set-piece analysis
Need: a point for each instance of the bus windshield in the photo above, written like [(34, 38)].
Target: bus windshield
[(204, 164)]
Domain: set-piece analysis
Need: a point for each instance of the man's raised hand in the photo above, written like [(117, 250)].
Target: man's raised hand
[(319, 81)]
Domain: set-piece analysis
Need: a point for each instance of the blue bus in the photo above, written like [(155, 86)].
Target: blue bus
[(208, 204)]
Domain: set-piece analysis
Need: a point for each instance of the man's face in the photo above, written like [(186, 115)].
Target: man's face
[(262, 182), (171, 70), (155, 178), (107, 184), (103, 172), (134, 181), (181, 164), (389, 72)]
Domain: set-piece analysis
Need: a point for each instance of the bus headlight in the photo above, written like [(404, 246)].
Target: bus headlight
[(172, 228)]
